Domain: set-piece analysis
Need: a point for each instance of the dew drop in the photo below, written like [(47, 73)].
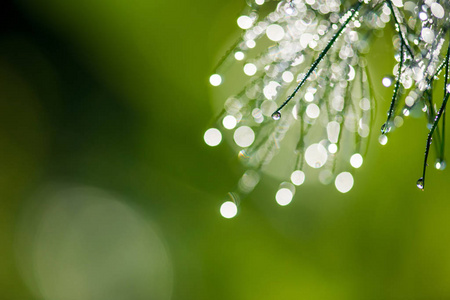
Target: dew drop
[(215, 79), (382, 139), (420, 183), (387, 81), (228, 210), (427, 35), (276, 115), (385, 128), (440, 164), (437, 10)]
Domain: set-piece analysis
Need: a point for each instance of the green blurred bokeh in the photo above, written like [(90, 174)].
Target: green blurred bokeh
[(103, 169)]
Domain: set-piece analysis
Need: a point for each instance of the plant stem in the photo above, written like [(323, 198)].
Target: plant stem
[(322, 54)]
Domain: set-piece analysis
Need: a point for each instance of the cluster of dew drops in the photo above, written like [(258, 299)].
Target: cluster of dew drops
[(274, 53)]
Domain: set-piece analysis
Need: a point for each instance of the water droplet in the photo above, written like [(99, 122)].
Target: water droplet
[(387, 81), (215, 79), (385, 128), (423, 16), (437, 10), (427, 35), (420, 183), (228, 210), (245, 22), (276, 115), (440, 164), (297, 177), (382, 139)]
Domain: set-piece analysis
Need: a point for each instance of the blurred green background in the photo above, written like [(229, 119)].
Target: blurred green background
[(107, 190)]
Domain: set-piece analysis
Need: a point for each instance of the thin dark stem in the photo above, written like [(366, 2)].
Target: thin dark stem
[(322, 54), (431, 114), (386, 127), (401, 33), (441, 156), (421, 182)]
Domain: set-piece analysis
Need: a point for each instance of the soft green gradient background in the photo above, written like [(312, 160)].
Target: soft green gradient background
[(114, 95)]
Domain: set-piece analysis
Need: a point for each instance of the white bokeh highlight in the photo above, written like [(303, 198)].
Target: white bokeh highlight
[(344, 182), (244, 136), (212, 137), (316, 155), (228, 210)]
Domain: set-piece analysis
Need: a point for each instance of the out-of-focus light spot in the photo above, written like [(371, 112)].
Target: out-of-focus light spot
[(326, 176), (305, 39), (398, 3), (337, 103), (364, 130), (398, 121), (409, 101), (423, 16), (344, 182), (73, 237), (284, 196), (295, 112), (440, 164), (356, 160), (333, 129), (351, 73), (386, 81), (251, 44), (297, 177), (248, 181), (316, 155), (437, 10), (244, 136), (239, 55), (309, 97), (228, 210), (312, 111), (275, 32), (212, 137), (427, 35), (229, 122), (289, 9), (271, 90), (332, 148), (215, 79), (364, 104), (244, 22), (287, 76), (250, 69), (382, 139), (259, 2)]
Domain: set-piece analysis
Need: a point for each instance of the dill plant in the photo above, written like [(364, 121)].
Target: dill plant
[(308, 94)]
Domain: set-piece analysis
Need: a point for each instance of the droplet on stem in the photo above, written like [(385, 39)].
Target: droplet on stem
[(276, 115), (385, 128), (420, 183)]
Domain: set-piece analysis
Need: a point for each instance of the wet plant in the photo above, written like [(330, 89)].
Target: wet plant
[(310, 57)]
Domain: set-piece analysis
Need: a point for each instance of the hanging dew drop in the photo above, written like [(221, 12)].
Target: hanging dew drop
[(420, 183), (440, 164), (276, 115), (385, 128)]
